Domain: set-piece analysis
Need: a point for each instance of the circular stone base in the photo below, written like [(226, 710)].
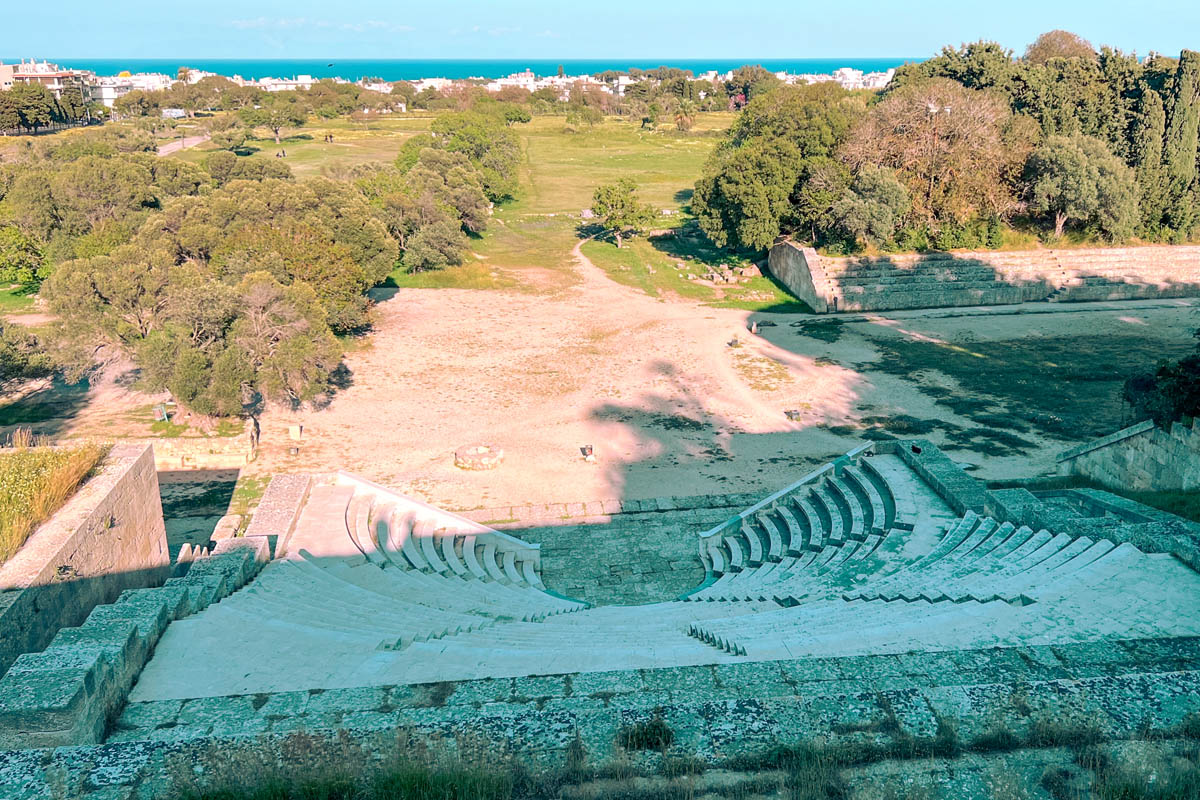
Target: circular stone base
[(478, 456)]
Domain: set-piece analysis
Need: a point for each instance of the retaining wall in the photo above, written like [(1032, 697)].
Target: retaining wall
[(109, 537), (1142, 457), (987, 277), (196, 452), (1124, 689)]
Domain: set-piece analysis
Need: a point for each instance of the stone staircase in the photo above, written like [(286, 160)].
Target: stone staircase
[(943, 279)]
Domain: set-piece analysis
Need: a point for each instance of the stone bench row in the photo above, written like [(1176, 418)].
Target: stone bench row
[(387, 535), (851, 503), (1127, 594), (67, 693)]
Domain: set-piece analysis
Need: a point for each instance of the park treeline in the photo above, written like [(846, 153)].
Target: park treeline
[(974, 148), (228, 282)]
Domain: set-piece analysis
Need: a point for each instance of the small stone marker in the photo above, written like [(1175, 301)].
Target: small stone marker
[(478, 457), (295, 432), (589, 454)]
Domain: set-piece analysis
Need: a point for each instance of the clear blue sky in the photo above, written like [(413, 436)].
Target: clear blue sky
[(573, 28)]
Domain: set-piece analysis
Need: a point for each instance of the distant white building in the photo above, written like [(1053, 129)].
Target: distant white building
[(107, 89), (44, 73), (285, 84)]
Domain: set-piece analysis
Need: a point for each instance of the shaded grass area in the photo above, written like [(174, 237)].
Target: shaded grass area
[(1067, 387), (15, 299), (647, 264), (34, 483)]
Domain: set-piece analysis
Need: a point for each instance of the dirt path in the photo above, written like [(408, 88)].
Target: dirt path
[(182, 144)]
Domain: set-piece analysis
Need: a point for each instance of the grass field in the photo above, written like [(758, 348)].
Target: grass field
[(309, 154), (529, 239), (15, 299)]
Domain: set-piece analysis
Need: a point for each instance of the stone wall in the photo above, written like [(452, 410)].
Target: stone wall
[(989, 277), (109, 537), (201, 452), (799, 269), (988, 699), (1142, 457)]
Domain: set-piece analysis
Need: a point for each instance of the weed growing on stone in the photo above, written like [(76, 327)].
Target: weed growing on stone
[(652, 735)]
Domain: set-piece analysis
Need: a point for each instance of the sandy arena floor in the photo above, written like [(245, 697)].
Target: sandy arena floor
[(654, 386)]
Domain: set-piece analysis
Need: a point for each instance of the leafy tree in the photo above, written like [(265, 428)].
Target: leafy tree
[(743, 198), (437, 244), (276, 111), (1148, 159), (21, 257), (280, 334), (1058, 44), (1077, 178), (873, 206), (946, 143), (816, 119), (515, 114), (35, 105), (224, 167), (584, 115), (750, 81), (138, 103), (22, 356), (488, 143), (620, 213), (823, 183)]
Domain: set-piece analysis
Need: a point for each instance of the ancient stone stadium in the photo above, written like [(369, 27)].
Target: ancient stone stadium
[(887, 603)]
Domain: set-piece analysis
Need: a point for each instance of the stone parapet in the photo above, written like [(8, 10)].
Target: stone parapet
[(1142, 457), (280, 506), (107, 538), (1122, 690)]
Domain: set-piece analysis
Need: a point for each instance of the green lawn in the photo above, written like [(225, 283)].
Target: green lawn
[(529, 240), (563, 169)]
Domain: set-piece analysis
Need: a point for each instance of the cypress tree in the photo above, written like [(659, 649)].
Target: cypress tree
[(1183, 131), (1148, 159)]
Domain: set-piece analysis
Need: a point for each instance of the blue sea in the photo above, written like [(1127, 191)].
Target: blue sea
[(405, 69)]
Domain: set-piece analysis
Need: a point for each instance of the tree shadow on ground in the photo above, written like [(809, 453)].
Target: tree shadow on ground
[(46, 410)]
